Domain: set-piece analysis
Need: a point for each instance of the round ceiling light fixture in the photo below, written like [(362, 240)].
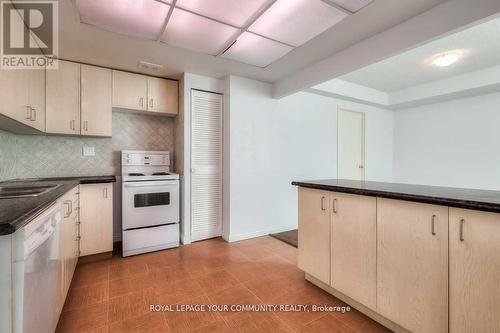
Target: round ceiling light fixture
[(446, 59)]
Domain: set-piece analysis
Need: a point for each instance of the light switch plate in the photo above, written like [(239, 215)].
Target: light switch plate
[(88, 151)]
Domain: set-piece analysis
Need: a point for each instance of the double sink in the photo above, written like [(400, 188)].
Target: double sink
[(25, 191)]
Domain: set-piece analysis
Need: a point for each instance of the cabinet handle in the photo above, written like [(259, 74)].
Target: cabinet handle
[(67, 214), (462, 222), (433, 225), (72, 125), (105, 192), (77, 238), (150, 102), (33, 114), (86, 125), (141, 101), (28, 112), (335, 205), (323, 203)]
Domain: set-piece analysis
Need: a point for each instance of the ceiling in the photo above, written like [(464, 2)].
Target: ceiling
[(87, 43), (479, 44)]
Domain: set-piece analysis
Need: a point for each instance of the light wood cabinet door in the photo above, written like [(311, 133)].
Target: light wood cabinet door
[(412, 265), (314, 233), (354, 247), (163, 96), (96, 218), (63, 99), (22, 93), (130, 91), (96, 95), (474, 271)]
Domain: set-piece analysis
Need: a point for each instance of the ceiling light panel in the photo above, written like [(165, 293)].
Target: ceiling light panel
[(197, 33), (138, 18), (255, 50), (233, 12), (296, 21), (352, 5)]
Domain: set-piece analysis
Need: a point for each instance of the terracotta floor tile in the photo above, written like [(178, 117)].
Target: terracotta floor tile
[(235, 295), (268, 288), (131, 284), (252, 251), (84, 319), (255, 322), (86, 295), (160, 277), (215, 327), (149, 322), (216, 281), (127, 269), (360, 323), (189, 321), (327, 324), (130, 305), (90, 273), (178, 291), (247, 270)]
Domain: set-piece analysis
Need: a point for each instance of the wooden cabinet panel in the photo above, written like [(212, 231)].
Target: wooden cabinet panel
[(63, 98), (130, 91), (354, 247), (22, 93), (474, 271), (96, 218), (163, 96), (314, 233), (412, 265), (96, 107)]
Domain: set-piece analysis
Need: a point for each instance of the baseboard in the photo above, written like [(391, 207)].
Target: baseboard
[(234, 238)]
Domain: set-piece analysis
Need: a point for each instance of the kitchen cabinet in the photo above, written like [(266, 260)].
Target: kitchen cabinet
[(130, 91), (354, 247), (63, 99), (474, 271), (96, 101), (96, 218), (163, 96), (314, 233), (145, 93), (22, 93), (68, 240), (412, 264)]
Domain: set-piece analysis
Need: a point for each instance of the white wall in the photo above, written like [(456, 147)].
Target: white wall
[(454, 143), (274, 141)]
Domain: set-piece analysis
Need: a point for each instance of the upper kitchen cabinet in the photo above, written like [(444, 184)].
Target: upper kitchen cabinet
[(130, 91), (163, 96), (22, 93), (63, 99), (96, 104), (143, 93)]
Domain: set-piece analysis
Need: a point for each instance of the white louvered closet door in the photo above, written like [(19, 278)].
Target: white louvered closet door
[(206, 165)]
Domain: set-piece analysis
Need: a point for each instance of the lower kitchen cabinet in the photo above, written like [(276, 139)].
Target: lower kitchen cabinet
[(474, 271), (412, 265), (354, 247), (314, 233), (68, 241), (96, 218)]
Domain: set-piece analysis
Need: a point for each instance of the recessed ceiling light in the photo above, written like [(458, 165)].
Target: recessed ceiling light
[(445, 59)]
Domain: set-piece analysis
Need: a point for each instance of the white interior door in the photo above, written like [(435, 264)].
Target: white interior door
[(206, 165), (351, 145)]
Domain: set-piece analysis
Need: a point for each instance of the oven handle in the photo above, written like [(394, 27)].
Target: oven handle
[(148, 184)]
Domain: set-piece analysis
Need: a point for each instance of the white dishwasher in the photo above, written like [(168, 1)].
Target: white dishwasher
[(37, 273)]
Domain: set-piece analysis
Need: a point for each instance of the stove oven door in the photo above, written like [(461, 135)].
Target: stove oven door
[(150, 203)]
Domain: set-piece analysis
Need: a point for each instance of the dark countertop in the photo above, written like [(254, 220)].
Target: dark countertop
[(484, 200), (15, 213)]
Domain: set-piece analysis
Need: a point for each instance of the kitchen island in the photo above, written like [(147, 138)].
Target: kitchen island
[(415, 258)]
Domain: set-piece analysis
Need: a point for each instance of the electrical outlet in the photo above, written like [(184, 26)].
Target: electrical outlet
[(88, 151)]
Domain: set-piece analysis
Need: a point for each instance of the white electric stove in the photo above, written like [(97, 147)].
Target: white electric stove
[(150, 202)]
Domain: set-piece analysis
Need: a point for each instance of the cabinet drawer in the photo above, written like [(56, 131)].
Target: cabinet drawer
[(150, 239)]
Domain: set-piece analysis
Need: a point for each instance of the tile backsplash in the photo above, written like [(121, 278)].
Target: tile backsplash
[(55, 156), (7, 155)]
